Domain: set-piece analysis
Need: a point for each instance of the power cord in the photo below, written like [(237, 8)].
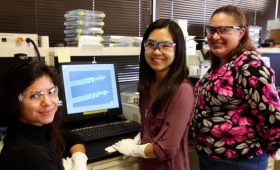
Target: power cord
[(28, 40)]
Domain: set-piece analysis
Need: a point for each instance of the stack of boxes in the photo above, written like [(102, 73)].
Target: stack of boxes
[(82, 23), (121, 41)]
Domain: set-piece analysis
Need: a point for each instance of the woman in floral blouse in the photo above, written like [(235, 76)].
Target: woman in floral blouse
[(237, 112)]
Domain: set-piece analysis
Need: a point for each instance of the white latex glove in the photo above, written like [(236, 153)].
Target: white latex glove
[(136, 140), (67, 163), (277, 155), (129, 148), (79, 161), (110, 149)]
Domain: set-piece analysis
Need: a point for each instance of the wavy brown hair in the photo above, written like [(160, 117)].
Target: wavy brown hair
[(14, 81), (245, 42), (178, 69)]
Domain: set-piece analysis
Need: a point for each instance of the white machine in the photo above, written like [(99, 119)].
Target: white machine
[(19, 40), (197, 61), (184, 26), (195, 51), (273, 26), (131, 112), (130, 97), (15, 43)]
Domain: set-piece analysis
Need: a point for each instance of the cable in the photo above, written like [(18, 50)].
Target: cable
[(28, 40)]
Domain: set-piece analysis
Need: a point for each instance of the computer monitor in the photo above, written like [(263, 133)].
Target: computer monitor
[(91, 90), (273, 61)]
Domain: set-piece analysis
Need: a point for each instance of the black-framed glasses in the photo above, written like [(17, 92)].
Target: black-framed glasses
[(221, 30), (164, 46), (37, 96)]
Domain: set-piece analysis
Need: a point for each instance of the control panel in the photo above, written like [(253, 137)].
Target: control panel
[(17, 40)]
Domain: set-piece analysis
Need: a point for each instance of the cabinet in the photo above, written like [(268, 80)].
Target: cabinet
[(270, 164), (116, 163), (131, 163)]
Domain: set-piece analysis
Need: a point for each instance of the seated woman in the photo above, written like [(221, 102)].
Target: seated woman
[(29, 96)]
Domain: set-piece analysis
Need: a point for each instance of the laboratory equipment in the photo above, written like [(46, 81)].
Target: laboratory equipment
[(199, 62)]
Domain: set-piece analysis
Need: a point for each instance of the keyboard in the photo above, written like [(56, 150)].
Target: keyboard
[(107, 130)]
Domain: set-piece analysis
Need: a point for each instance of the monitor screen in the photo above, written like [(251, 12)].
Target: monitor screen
[(273, 61), (91, 90)]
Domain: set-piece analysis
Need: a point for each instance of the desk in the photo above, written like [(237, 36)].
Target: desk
[(95, 150), (99, 159)]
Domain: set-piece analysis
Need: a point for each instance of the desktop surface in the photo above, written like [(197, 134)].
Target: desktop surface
[(95, 150)]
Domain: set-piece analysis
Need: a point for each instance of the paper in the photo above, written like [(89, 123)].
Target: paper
[(63, 55), (89, 40)]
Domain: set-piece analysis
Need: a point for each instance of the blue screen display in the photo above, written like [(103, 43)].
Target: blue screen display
[(90, 87)]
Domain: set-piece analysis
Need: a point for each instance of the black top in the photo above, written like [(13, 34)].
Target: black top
[(26, 148)]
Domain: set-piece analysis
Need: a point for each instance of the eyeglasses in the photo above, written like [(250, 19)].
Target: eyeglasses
[(222, 30), (164, 46), (37, 96)]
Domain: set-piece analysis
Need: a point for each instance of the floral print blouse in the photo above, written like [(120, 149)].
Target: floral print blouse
[(237, 110)]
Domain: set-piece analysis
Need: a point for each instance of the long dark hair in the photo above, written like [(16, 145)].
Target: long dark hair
[(245, 42), (178, 69), (14, 81)]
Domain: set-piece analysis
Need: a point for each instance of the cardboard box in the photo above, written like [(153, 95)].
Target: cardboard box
[(274, 34)]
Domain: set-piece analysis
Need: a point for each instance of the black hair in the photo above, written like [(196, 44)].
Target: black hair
[(178, 69), (14, 81)]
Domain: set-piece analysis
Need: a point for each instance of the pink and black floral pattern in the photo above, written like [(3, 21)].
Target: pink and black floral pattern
[(270, 96), (228, 134), (237, 112), (239, 115), (253, 80), (223, 85), (231, 154)]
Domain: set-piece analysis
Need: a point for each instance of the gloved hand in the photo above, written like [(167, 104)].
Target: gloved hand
[(110, 149), (67, 163), (136, 140), (79, 161), (129, 148)]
